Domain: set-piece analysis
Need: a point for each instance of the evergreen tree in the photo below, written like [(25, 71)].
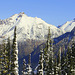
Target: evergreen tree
[(59, 62), (48, 56), (4, 59), (29, 69), (68, 61), (41, 59), (55, 66), (24, 72), (46, 60), (3, 69), (51, 54), (14, 58), (29, 60), (63, 61), (46, 53), (8, 56), (1, 56), (73, 59)]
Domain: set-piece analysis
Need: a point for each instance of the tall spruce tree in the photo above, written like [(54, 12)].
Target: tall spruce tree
[(48, 56), (14, 58), (46, 60), (51, 54), (8, 48), (73, 58), (59, 62), (41, 59), (63, 61), (68, 61)]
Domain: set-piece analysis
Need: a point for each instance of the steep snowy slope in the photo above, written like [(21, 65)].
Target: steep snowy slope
[(27, 27), (68, 26)]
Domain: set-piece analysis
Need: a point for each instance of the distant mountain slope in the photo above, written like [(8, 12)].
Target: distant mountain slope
[(62, 41), (27, 27), (68, 26), (65, 40)]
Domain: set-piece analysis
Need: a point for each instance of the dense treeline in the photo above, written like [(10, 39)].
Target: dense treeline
[(63, 63), (9, 57), (50, 63)]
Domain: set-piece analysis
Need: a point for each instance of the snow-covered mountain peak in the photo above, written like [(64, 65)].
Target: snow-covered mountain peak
[(68, 26), (22, 14), (27, 27)]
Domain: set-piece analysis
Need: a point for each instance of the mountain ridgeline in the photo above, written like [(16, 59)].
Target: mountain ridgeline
[(27, 28)]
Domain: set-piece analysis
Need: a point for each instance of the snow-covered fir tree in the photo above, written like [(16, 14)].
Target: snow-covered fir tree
[(4, 59), (73, 57), (48, 56), (41, 59), (24, 71), (29, 69), (8, 48), (46, 53), (14, 58), (55, 66), (63, 61), (68, 61), (59, 62), (51, 54), (46, 60)]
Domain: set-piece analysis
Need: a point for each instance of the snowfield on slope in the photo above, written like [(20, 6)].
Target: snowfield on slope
[(68, 26), (27, 28)]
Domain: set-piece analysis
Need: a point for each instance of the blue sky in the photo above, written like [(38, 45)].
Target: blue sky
[(55, 12)]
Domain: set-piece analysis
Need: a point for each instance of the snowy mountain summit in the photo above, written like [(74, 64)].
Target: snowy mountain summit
[(27, 27), (68, 26)]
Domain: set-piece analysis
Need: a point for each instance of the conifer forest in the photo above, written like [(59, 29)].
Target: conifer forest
[(60, 62)]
